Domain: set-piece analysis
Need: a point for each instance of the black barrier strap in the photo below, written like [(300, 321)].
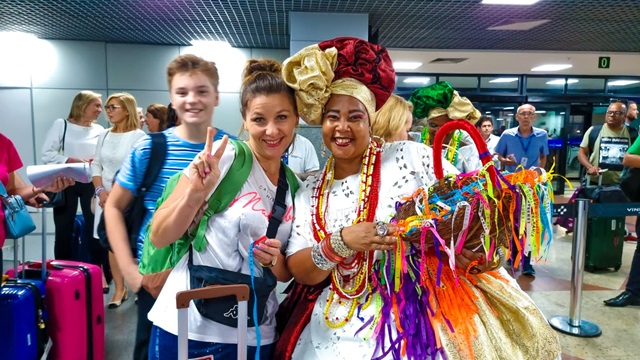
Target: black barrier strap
[(599, 210)]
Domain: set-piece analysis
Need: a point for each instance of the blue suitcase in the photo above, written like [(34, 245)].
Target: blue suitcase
[(22, 334)]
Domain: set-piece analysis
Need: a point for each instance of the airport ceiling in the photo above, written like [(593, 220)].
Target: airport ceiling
[(573, 25)]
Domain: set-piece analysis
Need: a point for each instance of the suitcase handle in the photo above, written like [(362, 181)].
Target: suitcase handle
[(183, 298), (240, 291)]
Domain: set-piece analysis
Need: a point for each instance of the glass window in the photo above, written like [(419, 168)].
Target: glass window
[(585, 86), (499, 83), (461, 83), (545, 85), (502, 114), (623, 86)]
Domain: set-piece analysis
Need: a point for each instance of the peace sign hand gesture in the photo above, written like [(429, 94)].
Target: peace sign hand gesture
[(204, 171)]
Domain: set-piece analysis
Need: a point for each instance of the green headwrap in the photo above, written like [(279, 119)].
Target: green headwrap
[(425, 99), (440, 99)]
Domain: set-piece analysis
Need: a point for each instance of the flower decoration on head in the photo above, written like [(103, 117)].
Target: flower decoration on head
[(440, 99), (345, 66)]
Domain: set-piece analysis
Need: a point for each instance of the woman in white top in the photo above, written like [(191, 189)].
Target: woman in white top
[(269, 116), (73, 140), (114, 145)]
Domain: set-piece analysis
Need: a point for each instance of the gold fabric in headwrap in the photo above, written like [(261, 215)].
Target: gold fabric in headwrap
[(460, 108), (356, 89), (310, 73)]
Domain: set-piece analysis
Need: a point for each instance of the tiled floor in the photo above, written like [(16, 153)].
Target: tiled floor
[(550, 290)]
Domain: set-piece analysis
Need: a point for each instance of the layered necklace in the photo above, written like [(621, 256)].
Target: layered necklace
[(350, 278), (451, 154)]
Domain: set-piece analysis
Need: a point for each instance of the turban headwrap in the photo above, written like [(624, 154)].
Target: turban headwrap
[(344, 66), (440, 99)]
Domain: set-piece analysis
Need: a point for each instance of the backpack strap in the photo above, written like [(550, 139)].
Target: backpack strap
[(593, 137), (156, 161), (226, 191)]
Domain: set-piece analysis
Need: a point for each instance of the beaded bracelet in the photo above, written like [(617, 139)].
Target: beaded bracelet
[(329, 253), (98, 190), (319, 259), (339, 246)]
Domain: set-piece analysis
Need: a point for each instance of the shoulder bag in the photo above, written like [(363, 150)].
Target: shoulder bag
[(17, 221)]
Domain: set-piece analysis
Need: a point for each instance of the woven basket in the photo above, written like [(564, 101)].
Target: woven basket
[(455, 190)]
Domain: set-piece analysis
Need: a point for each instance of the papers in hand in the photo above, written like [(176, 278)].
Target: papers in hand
[(44, 175)]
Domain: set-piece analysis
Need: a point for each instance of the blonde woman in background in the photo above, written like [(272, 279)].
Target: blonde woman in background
[(156, 118), (114, 145), (73, 140), (393, 121)]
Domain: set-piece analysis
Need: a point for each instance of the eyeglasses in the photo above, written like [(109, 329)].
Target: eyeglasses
[(526, 114), (616, 113), (112, 107)]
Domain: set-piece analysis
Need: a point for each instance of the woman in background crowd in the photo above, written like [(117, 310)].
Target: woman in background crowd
[(156, 118), (394, 120), (74, 140), (114, 145), (438, 104)]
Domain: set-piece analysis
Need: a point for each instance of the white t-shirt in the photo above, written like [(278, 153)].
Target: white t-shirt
[(229, 235), (302, 156), (79, 142), (406, 165)]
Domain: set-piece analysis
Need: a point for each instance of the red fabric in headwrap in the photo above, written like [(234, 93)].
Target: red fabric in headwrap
[(366, 62)]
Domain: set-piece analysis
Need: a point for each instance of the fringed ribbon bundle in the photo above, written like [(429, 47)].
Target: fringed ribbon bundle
[(425, 307)]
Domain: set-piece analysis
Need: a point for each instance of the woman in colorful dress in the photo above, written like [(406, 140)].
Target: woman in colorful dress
[(361, 293)]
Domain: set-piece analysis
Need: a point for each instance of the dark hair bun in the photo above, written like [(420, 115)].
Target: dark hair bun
[(257, 66)]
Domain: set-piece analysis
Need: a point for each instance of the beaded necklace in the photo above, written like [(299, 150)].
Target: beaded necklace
[(349, 279)]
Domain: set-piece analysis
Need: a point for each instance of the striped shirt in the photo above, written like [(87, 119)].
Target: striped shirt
[(179, 155)]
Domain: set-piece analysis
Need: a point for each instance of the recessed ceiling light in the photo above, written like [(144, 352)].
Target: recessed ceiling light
[(406, 65), (487, 112), (503, 80), (541, 112), (562, 81), (623, 82), (418, 80), (510, 2), (508, 108), (562, 113), (552, 67)]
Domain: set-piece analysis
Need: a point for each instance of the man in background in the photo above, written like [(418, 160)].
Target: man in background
[(527, 146)]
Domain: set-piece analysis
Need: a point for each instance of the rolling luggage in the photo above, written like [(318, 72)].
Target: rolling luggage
[(23, 332), (605, 236), (74, 303), (183, 298), (22, 328)]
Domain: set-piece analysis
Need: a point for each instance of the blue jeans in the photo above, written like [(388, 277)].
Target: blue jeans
[(164, 345)]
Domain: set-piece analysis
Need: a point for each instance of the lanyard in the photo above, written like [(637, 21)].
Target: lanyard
[(526, 148)]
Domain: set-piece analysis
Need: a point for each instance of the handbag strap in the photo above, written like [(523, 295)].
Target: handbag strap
[(279, 205), (64, 136), (3, 190)]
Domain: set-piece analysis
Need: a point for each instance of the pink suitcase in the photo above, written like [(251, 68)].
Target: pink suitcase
[(75, 305)]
